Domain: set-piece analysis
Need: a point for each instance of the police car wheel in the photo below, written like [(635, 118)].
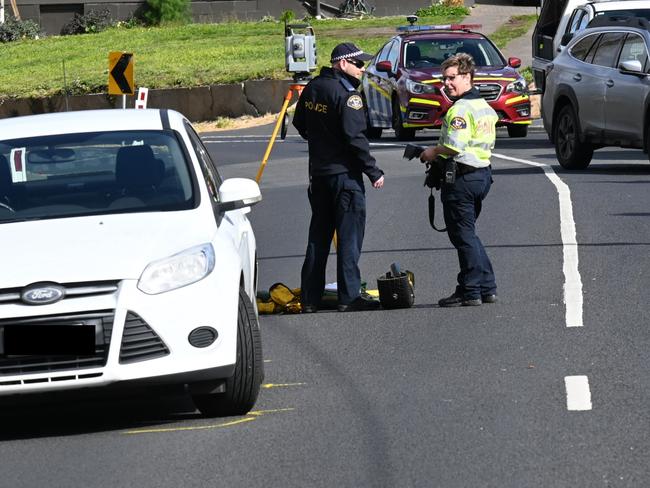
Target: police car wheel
[(401, 132), (244, 385), (515, 130), (285, 124), (571, 152)]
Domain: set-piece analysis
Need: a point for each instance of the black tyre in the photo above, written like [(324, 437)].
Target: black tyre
[(283, 128), (243, 386), (517, 130), (570, 151), (401, 133)]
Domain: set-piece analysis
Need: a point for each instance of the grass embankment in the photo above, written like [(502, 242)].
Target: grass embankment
[(188, 55)]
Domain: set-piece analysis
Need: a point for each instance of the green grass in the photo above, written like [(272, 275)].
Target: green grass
[(515, 27), (187, 55)]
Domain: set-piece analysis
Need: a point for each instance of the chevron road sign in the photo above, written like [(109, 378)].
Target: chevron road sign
[(120, 73)]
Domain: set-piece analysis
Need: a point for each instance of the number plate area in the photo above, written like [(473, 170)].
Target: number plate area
[(47, 340)]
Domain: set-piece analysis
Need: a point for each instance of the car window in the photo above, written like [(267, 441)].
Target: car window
[(432, 52), (93, 173), (212, 179), (581, 48), (393, 54), (578, 21), (383, 53), (633, 12), (607, 51), (634, 50)]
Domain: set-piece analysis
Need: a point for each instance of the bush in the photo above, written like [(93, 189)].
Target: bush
[(14, 30), (167, 11), (288, 16), (90, 22), (444, 8)]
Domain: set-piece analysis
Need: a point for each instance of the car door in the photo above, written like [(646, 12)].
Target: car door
[(589, 80), (625, 93), (377, 89)]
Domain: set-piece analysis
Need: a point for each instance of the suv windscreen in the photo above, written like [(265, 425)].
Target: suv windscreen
[(641, 12), (92, 173), (430, 53)]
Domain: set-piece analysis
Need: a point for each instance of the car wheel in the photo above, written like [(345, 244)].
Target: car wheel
[(570, 151), (517, 130), (243, 386), (401, 133)]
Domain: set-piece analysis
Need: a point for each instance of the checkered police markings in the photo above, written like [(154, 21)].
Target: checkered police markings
[(578, 394)]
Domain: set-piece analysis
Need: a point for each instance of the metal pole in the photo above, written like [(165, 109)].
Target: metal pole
[(318, 12), (2, 11), (123, 102), (65, 87)]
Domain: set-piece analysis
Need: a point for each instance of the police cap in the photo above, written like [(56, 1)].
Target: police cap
[(347, 50)]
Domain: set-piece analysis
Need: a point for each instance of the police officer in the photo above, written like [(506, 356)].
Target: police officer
[(330, 114), (467, 136)]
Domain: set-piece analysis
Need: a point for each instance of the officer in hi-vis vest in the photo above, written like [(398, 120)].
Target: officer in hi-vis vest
[(330, 114), (467, 136)]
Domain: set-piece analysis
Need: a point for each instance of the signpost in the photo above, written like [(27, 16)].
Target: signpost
[(120, 74)]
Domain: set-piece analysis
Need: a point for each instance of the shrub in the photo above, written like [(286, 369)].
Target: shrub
[(444, 8), (14, 30), (167, 11), (287, 16), (90, 22)]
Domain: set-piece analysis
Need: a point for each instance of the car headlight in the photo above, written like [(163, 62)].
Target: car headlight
[(419, 88), (176, 271), (517, 86)]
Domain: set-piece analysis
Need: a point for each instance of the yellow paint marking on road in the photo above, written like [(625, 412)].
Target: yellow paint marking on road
[(251, 416), (281, 385)]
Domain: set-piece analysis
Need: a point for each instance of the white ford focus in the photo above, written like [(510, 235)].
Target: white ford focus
[(125, 259)]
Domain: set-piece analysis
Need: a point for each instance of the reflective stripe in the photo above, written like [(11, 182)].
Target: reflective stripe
[(379, 89), (493, 78), (522, 122), (510, 101), (424, 101)]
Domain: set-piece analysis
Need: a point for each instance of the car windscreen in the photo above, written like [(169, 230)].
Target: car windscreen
[(93, 173), (430, 53), (643, 13)]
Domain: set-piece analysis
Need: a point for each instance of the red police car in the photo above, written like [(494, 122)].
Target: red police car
[(402, 85)]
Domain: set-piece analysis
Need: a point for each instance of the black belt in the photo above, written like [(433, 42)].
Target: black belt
[(463, 169)]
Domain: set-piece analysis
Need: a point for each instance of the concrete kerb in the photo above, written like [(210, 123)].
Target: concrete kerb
[(255, 98)]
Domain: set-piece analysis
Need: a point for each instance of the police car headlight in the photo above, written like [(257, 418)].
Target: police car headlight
[(176, 271), (517, 86), (419, 88)]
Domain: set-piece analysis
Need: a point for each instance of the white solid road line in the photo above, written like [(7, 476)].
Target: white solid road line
[(572, 281), (578, 396)]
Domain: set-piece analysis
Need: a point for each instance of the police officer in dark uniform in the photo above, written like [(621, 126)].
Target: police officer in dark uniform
[(330, 115)]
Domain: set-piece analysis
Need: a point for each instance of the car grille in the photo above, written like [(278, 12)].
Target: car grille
[(28, 364), (72, 290), (489, 91), (139, 341)]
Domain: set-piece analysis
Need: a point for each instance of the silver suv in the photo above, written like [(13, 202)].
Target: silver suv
[(598, 91)]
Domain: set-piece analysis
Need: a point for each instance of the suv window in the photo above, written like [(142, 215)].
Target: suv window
[(608, 48), (578, 21), (393, 54), (634, 50), (581, 48)]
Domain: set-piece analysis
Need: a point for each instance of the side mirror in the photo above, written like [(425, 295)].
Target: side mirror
[(566, 38), (514, 62), (632, 67), (237, 193), (384, 67)]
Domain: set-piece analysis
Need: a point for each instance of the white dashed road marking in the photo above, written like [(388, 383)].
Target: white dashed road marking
[(578, 396), (572, 281)]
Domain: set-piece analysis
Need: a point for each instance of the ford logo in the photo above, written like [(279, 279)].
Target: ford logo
[(42, 293)]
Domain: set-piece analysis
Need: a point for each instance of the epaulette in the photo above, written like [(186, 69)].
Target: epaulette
[(348, 86)]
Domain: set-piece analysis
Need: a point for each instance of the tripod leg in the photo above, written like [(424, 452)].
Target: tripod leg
[(269, 147)]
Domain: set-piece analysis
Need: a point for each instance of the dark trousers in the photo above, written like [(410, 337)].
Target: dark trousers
[(462, 203), (338, 202)]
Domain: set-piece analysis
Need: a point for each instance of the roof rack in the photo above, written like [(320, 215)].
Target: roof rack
[(619, 21), (421, 28)]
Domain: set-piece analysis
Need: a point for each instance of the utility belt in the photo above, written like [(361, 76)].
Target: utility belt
[(463, 169)]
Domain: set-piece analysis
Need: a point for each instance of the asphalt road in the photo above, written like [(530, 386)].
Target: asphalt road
[(528, 392)]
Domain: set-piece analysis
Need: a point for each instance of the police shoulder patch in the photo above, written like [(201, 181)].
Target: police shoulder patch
[(458, 123), (355, 102)]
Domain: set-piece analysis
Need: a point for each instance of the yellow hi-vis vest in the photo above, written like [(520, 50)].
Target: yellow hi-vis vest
[(469, 129)]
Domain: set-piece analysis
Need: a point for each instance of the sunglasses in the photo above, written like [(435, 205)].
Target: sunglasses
[(358, 63), (452, 77)]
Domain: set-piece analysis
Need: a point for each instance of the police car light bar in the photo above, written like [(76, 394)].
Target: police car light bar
[(417, 28)]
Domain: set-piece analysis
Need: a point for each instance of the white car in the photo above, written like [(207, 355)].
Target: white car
[(125, 259)]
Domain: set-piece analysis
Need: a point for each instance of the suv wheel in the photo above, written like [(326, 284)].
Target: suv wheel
[(401, 132), (517, 130), (243, 386), (570, 151)]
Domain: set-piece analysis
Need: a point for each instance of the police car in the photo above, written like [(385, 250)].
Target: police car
[(126, 260), (402, 85)]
